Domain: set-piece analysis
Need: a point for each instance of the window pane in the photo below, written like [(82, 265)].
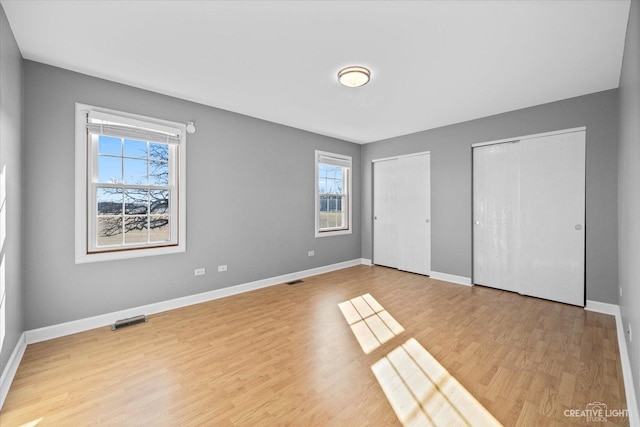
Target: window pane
[(159, 201), (322, 185), (136, 229), (158, 151), (338, 173), (331, 186), (159, 173), (160, 229), (322, 170), (109, 231), (133, 148), (136, 201), (330, 220), (135, 171), (109, 169), (109, 145), (331, 214), (331, 172), (330, 179), (109, 201)]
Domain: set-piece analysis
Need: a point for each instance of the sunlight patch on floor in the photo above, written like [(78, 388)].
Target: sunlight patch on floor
[(423, 393), (371, 324), (32, 423)]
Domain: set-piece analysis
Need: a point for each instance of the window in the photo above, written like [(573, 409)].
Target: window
[(333, 194), (130, 185)]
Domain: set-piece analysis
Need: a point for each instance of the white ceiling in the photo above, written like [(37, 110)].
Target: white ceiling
[(433, 63)]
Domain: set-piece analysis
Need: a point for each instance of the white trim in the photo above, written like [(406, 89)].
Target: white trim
[(627, 374), (347, 159), (366, 261), (82, 198), (10, 370), (80, 325), (129, 120), (329, 233), (536, 135), (460, 280), (602, 307), (401, 156)]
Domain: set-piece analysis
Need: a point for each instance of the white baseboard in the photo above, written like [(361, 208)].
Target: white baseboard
[(366, 261), (627, 374), (460, 280), (602, 307), (75, 326), (10, 370)]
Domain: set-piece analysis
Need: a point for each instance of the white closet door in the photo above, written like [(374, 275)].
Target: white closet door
[(553, 217), (496, 205), (414, 213), (529, 213), (385, 231)]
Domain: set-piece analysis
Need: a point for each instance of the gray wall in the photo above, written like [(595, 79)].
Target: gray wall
[(250, 201), (629, 189), (450, 149), (11, 162)]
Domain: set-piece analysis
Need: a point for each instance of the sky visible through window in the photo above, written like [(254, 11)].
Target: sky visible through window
[(330, 179), (132, 162)]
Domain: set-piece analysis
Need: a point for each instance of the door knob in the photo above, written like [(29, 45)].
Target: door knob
[(477, 222), (578, 226), (427, 220), (375, 217)]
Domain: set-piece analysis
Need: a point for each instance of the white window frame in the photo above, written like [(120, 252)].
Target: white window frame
[(346, 162), (85, 221)]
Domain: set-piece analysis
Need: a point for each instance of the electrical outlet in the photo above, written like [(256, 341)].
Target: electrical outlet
[(311, 253), (222, 268), (200, 272)]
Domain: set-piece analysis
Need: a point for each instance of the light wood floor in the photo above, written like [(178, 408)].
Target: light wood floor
[(285, 355)]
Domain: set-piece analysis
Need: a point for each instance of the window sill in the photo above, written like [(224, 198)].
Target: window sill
[(332, 233), (84, 258)]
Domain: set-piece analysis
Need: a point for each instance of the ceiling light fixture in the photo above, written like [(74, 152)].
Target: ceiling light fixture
[(354, 76)]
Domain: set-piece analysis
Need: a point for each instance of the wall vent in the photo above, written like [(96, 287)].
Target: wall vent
[(129, 322)]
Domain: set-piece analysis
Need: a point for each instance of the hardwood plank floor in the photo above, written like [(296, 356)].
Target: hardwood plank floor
[(286, 355)]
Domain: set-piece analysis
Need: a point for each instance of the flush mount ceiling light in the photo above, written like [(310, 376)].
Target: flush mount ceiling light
[(354, 76)]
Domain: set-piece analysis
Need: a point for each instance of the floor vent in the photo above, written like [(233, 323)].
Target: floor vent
[(294, 282), (129, 322)]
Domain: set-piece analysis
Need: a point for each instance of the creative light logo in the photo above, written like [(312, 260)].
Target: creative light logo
[(596, 412)]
